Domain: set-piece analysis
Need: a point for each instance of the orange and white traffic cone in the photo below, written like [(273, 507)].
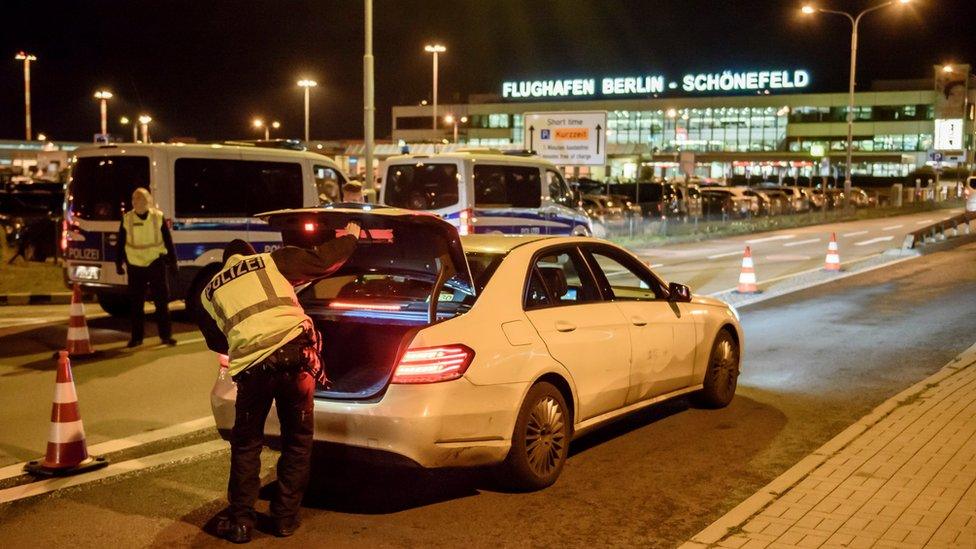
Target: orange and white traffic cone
[(79, 342), (67, 453), (832, 263), (747, 276)]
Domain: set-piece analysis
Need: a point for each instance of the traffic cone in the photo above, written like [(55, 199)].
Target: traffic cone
[(67, 453), (79, 343), (747, 276), (832, 263)]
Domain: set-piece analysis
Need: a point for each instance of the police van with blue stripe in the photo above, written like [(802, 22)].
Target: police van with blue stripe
[(209, 194), (485, 191)]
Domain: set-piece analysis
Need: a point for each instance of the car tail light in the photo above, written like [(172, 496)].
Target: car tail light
[(64, 236), (365, 306), (467, 222), (309, 227), (433, 364)]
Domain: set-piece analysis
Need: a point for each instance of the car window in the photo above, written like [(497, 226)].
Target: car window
[(558, 189), (209, 187), (623, 279), (536, 295), (327, 183), (506, 186), (565, 277), (101, 187), (421, 186)]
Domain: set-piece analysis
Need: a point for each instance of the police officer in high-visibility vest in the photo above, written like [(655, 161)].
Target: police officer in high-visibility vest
[(145, 247), (253, 315)]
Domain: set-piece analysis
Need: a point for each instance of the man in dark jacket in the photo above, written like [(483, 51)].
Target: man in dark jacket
[(253, 315)]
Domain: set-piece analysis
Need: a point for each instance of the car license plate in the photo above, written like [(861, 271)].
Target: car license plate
[(88, 272)]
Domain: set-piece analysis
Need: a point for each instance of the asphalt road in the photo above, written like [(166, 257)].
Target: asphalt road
[(815, 362)]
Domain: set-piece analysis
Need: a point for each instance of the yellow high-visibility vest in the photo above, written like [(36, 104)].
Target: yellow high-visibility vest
[(143, 237), (256, 308)]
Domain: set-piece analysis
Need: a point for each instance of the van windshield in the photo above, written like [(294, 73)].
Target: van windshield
[(101, 188), (421, 186)]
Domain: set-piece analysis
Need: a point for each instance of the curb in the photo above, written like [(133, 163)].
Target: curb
[(754, 504), (771, 293), (59, 298)]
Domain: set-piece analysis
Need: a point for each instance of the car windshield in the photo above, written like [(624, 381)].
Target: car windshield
[(421, 186), (101, 187)]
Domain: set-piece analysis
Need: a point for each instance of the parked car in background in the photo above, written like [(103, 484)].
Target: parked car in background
[(656, 198), (717, 205), (603, 209), (741, 204), (690, 197)]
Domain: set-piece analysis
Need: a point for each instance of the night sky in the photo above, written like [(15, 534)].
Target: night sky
[(206, 68)]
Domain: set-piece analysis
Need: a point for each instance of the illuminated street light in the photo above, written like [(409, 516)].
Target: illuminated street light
[(144, 120), (41, 137), (435, 49), (259, 124), (275, 125), (103, 96), (135, 129), (453, 120), (672, 113), (26, 58), (855, 23), (307, 84), (947, 68)]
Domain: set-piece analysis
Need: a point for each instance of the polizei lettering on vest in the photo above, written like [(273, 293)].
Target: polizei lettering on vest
[(248, 265)]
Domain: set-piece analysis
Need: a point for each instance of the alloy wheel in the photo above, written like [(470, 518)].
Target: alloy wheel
[(545, 438)]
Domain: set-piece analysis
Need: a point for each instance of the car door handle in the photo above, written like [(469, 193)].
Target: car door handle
[(638, 321), (563, 326)]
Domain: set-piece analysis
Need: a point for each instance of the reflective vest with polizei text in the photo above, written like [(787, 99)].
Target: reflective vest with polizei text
[(143, 237), (256, 308)]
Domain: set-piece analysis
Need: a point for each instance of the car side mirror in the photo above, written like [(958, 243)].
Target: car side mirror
[(679, 293)]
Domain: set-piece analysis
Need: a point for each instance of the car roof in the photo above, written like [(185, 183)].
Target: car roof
[(473, 154), (196, 148), (498, 243)]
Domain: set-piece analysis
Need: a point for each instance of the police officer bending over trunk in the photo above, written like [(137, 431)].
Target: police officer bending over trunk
[(255, 318)]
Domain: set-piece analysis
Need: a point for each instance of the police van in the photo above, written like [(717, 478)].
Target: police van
[(209, 194), (485, 191)]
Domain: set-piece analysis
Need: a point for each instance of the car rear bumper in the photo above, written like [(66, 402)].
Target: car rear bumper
[(449, 424)]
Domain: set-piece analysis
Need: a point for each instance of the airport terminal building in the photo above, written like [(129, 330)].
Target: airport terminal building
[(727, 123)]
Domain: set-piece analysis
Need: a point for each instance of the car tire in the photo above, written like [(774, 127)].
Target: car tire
[(540, 442), (116, 305), (721, 377)]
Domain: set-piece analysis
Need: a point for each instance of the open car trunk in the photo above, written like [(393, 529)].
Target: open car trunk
[(407, 271)]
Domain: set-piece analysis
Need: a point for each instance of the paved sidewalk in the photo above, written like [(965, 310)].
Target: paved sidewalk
[(903, 476)]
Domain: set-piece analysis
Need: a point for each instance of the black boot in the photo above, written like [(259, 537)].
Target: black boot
[(284, 527), (234, 531)]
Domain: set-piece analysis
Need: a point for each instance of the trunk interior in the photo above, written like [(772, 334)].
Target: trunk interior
[(359, 357)]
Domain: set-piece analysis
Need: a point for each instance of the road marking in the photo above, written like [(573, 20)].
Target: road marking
[(22, 321), (771, 238), (787, 257), (924, 221), (716, 256), (119, 444), (855, 233), (873, 240), (116, 469), (892, 227), (801, 242)]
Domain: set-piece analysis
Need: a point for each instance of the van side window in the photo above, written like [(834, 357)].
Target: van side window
[(558, 189), (507, 187), (327, 184), (206, 187)]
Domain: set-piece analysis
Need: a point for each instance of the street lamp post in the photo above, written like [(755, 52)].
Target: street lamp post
[(369, 87), (306, 84), (144, 120), (135, 129), (259, 125), (454, 120), (274, 125), (26, 58), (103, 96), (855, 24), (435, 49)]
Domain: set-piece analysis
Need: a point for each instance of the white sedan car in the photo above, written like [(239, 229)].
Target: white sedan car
[(494, 350)]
